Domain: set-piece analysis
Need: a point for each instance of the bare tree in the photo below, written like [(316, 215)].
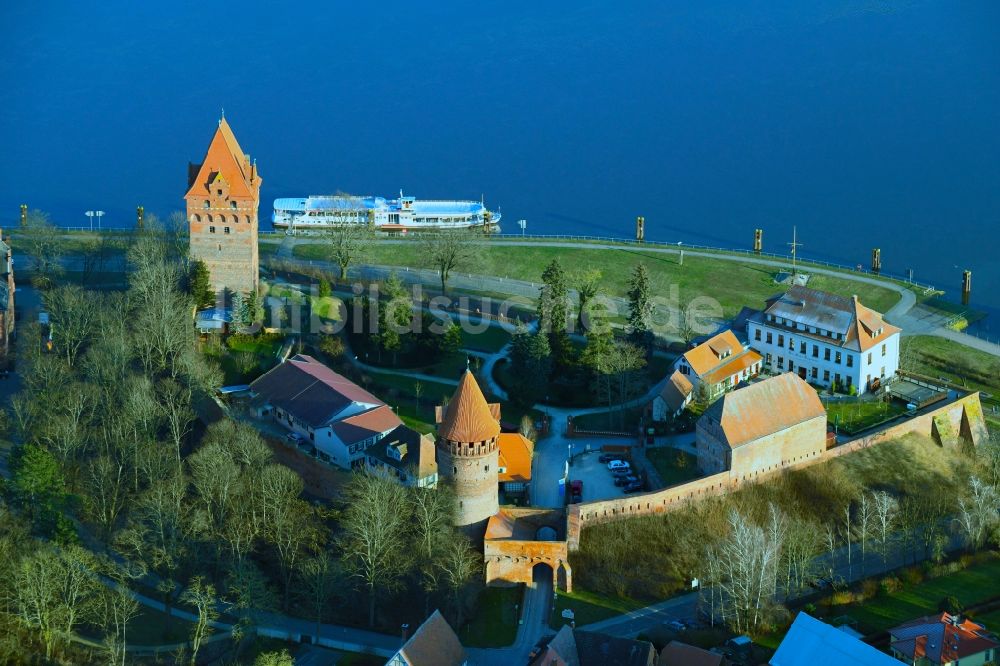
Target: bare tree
[(317, 582), (349, 244), (44, 247), (863, 526), (461, 563), (73, 318), (886, 512), (115, 607), (978, 513), (373, 540), (448, 250), (201, 595)]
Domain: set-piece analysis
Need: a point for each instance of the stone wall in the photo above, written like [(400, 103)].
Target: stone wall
[(959, 420), (510, 561), (474, 478)]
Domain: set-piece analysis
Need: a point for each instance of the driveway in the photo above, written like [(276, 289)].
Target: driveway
[(598, 482)]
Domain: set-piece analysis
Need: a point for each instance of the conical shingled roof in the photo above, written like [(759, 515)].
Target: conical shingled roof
[(469, 418)]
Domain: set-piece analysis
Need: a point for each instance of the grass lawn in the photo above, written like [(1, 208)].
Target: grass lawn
[(495, 621), (965, 366), (588, 607), (327, 307), (667, 464), (398, 391), (258, 345), (732, 284), (492, 340), (975, 584), (852, 416), (151, 627), (609, 420)]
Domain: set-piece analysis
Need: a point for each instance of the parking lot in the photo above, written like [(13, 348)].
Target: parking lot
[(598, 482)]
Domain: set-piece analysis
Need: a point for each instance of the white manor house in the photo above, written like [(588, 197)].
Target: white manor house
[(826, 339)]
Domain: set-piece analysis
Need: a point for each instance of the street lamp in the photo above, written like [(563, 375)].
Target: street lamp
[(99, 214), (90, 214)]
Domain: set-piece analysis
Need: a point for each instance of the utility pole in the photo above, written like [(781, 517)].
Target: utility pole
[(795, 246)]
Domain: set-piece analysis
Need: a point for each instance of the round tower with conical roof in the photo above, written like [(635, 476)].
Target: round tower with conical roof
[(468, 452)]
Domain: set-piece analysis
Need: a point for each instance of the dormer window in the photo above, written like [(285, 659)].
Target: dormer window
[(218, 192)]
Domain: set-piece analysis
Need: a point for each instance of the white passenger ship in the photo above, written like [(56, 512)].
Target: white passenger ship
[(398, 215)]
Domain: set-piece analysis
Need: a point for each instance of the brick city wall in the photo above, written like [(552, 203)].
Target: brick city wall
[(947, 425), (512, 561)]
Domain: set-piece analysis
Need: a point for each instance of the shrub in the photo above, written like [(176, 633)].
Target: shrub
[(331, 345), (951, 605), (841, 598), (913, 575), (890, 585), (869, 588), (324, 289)]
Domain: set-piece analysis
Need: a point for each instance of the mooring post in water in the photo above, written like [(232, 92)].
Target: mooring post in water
[(966, 286), (640, 228), (138, 217), (758, 240), (876, 261), (24, 215)]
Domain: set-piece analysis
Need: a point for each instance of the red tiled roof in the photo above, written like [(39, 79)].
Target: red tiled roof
[(225, 157), (705, 357), (763, 408), (940, 639), (681, 654), (434, 643), (516, 452), (366, 424), (676, 390)]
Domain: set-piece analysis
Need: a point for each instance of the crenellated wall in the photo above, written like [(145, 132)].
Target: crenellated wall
[(948, 425)]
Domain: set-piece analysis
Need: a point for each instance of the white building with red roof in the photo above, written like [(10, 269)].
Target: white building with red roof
[(825, 339), (330, 412)]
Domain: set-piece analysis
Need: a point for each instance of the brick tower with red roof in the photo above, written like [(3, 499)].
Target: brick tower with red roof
[(222, 200), (468, 453)]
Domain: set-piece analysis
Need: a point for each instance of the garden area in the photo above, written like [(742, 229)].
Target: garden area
[(673, 466), (853, 416), (242, 357)]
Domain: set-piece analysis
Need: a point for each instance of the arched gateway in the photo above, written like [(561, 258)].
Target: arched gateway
[(519, 540)]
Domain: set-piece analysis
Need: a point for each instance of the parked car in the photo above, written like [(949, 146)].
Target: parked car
[(621, 471), (633, 487), (626, 480), (576, 491), (294, 437), (608, 457), (676, 625), (617, 464)]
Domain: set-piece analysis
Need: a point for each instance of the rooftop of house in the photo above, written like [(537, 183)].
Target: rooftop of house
[(676, 653), (816, 643), (575, 647), (406, 450), (859, 327), (516, 452), (313, 393), (367, 424), (468, 417), (676, 390), (763, 408), (940, 639), (434, 643)]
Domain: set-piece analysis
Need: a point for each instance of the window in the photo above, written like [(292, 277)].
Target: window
[(869, 357), (781, 340), (226, 230), (826, 375), (756, 336), (767, 359), (850, 360), (883, 349), (826, 354), (836, 359), (197, 218), (208, 218), (769, 339), (849, 380), (487, 468), (815, 372), (247, 217), (236, 219), (207, 204), (232, 204), (791, 344), (781, 363), (802, 348), (219, 192), (211, 230), (791, 365), (815, 351)]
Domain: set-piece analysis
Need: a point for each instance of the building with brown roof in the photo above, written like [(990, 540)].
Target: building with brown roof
[(575, 647), (673, 397), (943, 639), (407, 456), (469, 452), (514, 466), (826, 339), (676, 653), (330, 412), (222, 200), (434, 643), (718, 365), (762, 427)]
